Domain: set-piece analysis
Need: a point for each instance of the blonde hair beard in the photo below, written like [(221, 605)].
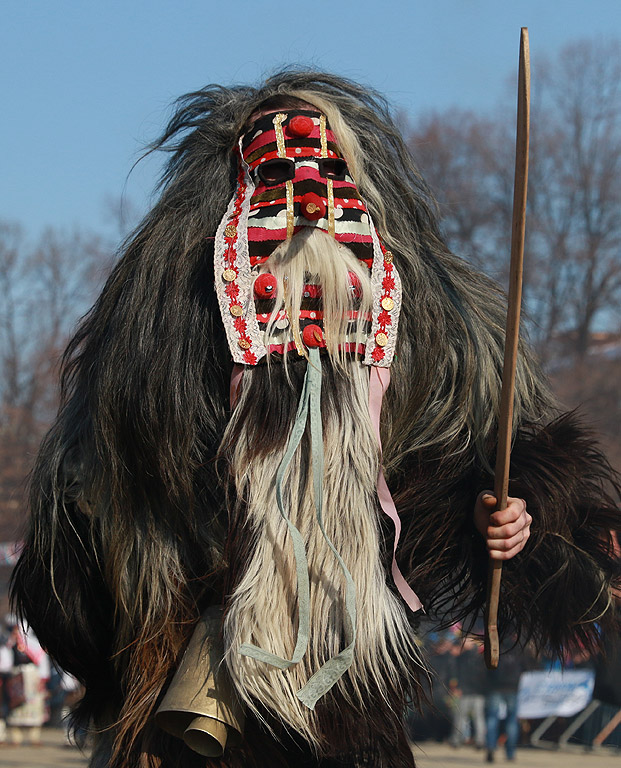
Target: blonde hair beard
[(314, 256), (263, 607)]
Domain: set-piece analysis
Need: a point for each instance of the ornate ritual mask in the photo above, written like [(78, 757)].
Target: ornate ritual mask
[(292, 177)]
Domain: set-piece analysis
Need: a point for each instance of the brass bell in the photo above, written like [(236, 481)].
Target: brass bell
[(200, 705)]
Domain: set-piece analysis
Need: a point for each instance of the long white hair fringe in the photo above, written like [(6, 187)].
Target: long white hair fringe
[(262, 609)]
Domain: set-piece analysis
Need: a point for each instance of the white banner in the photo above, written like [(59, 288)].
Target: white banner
[(560, 693), (10, 552)]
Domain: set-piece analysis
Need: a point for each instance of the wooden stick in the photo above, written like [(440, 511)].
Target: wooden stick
[(505, 419)]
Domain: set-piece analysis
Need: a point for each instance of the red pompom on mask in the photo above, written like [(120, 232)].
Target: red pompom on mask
[(265, 286), (300, 126), (312, 336), (312, 207)]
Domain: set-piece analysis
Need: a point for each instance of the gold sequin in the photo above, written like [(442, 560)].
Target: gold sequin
[(236, 310), (278, 120), (381, 339), (243, 344), (229, 275), (230, 230), (282, 152), (290, 216), (387, 303), (388, 257), (323, 139), (331, 226)]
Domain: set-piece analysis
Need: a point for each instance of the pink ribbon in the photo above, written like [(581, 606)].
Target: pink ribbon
[(378, 384), (236, 375)]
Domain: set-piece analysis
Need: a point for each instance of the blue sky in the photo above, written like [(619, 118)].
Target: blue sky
[(86, 85)]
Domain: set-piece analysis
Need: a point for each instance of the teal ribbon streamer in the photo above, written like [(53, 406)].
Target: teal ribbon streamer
[(330, 672)]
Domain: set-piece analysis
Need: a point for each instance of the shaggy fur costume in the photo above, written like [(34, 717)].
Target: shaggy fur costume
[(152, 500)]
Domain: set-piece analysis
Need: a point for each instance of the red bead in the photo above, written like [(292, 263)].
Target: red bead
[(312, 206), (354, 282), (265, 286), (312, 336), (300, 126)]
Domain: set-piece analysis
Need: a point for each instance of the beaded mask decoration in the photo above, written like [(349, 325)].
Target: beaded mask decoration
[(293, 176)]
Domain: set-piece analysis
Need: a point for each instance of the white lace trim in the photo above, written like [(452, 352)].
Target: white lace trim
[(378, 273), (244, 280)]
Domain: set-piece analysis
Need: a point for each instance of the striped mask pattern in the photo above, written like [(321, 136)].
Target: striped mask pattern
[(294, 179)]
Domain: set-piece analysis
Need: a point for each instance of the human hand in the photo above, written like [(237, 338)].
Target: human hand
[(506, 531)]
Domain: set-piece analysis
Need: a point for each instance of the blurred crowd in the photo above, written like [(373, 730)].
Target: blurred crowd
[(33, 691), (467, 704)]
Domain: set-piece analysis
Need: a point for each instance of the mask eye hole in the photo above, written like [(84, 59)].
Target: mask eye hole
[(332, 168), (276, 171)]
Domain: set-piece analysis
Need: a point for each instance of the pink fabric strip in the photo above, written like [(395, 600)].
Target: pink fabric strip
[(236, 375), (378, 384)]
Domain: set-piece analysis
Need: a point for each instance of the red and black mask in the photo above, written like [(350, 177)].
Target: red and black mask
[(301, 180), (294, 176)]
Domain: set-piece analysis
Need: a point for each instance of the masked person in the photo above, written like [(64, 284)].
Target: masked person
[(280, 415)]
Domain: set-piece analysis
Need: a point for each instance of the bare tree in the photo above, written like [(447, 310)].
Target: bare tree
[(573, 246), (576, 192), (43, 290), (11, 258), (572, 285), (467, 162)]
